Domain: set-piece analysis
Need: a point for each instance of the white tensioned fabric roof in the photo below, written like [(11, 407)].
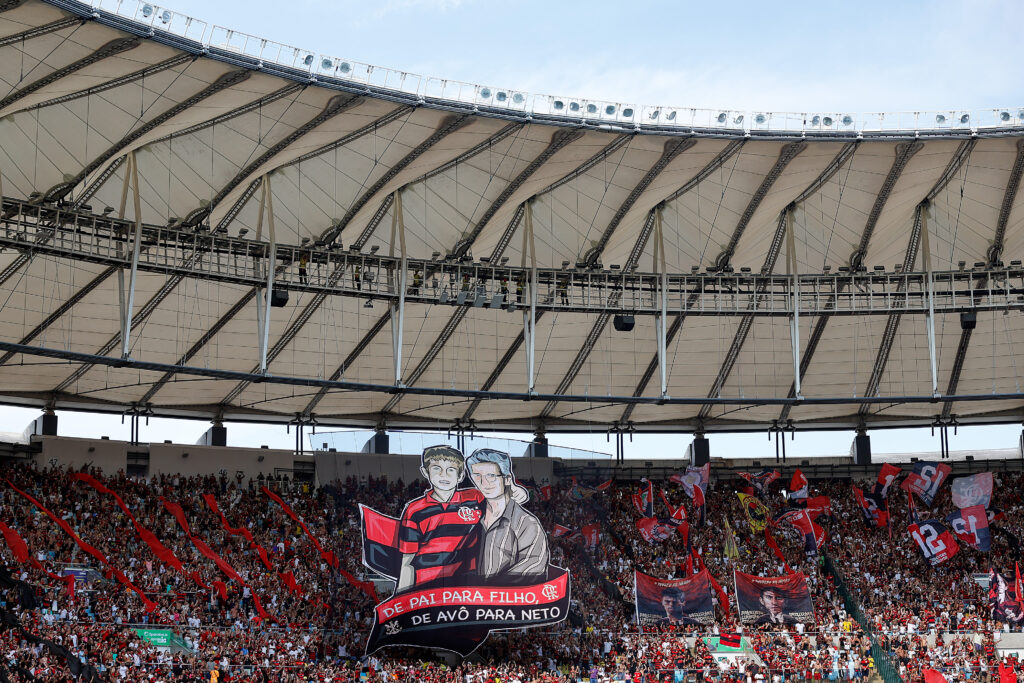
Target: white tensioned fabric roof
[(485, 184)]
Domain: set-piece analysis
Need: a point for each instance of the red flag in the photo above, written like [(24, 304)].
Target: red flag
[(723, 597), (100, 557), (1017, 585), (591, 533), (288, 511), (933, 676), (798, 486), (558, 531), (15, 542), (1006, 674), (886, 476), (770, 540), (604, 486)]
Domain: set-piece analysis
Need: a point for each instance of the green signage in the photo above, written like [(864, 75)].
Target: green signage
[(162, 637)]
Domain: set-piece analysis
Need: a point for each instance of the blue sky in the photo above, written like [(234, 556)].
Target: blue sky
[(828, 56), (800, 57)]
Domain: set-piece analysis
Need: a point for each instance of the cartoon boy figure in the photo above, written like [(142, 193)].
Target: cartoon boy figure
[(439, 531)]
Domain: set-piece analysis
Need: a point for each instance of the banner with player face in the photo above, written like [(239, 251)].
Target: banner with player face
[(1003, 602), (774, 599), (674, 602), (466, 560)]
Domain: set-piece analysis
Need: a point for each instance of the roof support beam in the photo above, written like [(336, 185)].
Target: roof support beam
[(844, 154), (317, 300), (559, 140), (513, 224), (448, 125), (994, 256), (786, 154), (918, 238), (673, 148), (904, 151), (638, 247), (225, 81), (250, 190), (114, 47), (37, 31), (334, 106), (119, 81)]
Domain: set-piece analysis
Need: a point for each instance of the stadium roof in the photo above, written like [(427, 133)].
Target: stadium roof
[(429, 215)]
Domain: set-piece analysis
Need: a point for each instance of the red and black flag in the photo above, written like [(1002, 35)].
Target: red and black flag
[(557, 531), (761, 480), (937, 544), (874, 507), (643, 501), (730, 639), (798, 486), (591, 534), (971, 526), (380, 542), (886, 476), (803, 520), (925, 480)]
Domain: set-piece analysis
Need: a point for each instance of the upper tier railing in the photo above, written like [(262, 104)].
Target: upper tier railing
[(312, 64)]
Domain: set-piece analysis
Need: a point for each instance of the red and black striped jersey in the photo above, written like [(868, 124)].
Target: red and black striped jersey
[(442, 536)]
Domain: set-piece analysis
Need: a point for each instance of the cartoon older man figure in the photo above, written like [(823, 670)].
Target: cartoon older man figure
[(514, 547)]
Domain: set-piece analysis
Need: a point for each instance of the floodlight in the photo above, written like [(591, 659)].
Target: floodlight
[(591, 108), (326, 63), (243, 232), (671, 116), (722, 117), (655, 114), (738, 120), (165, 17), (827, 121), (1004, 116), (940, 119), (307, 60), (815, 120), (147, 11), (485, 93), (1020, 115), (558, 104), (345, 67), (965, 118), (374, 248), (610, 110), (628, 112), (760, 118), (574, 106), (501, 96), (847, 120), (518, 98)]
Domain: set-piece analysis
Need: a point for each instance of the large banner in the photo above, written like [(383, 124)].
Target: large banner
[(1003, 602), (774, 599), (926, 480), (465, 561), (933, 538), (674, 602)]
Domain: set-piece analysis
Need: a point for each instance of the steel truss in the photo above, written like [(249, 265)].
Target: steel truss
[(80, 236)]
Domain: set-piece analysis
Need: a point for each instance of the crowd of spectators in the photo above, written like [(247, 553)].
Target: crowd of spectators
[(292, 614)]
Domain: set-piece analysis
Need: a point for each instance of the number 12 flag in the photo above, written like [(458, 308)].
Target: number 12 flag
[(937, 544)]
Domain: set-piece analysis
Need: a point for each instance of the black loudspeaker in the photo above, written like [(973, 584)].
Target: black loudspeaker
[(624, 323), (279, 298), (968, 320), (862, 449), (700, 452)]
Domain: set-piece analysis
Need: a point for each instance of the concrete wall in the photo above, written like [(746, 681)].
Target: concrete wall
[(167, 458), (331, 466), (109, 456)]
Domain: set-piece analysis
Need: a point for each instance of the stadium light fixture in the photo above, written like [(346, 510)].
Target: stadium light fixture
[(326, 63), (501, 96), (344, 67), (1004, 116), (518, 98), (940, 119), (965, 118), (610, 110), (628, 112), (165, 17), (655, 114), (815, 120), (738, 120), (827, 121), (671, 116), (558, 105), (486, 93), (759, 119), (847, 120), (574, 106), (308, 60), (147, 11), (722, 118), (591, 108)]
